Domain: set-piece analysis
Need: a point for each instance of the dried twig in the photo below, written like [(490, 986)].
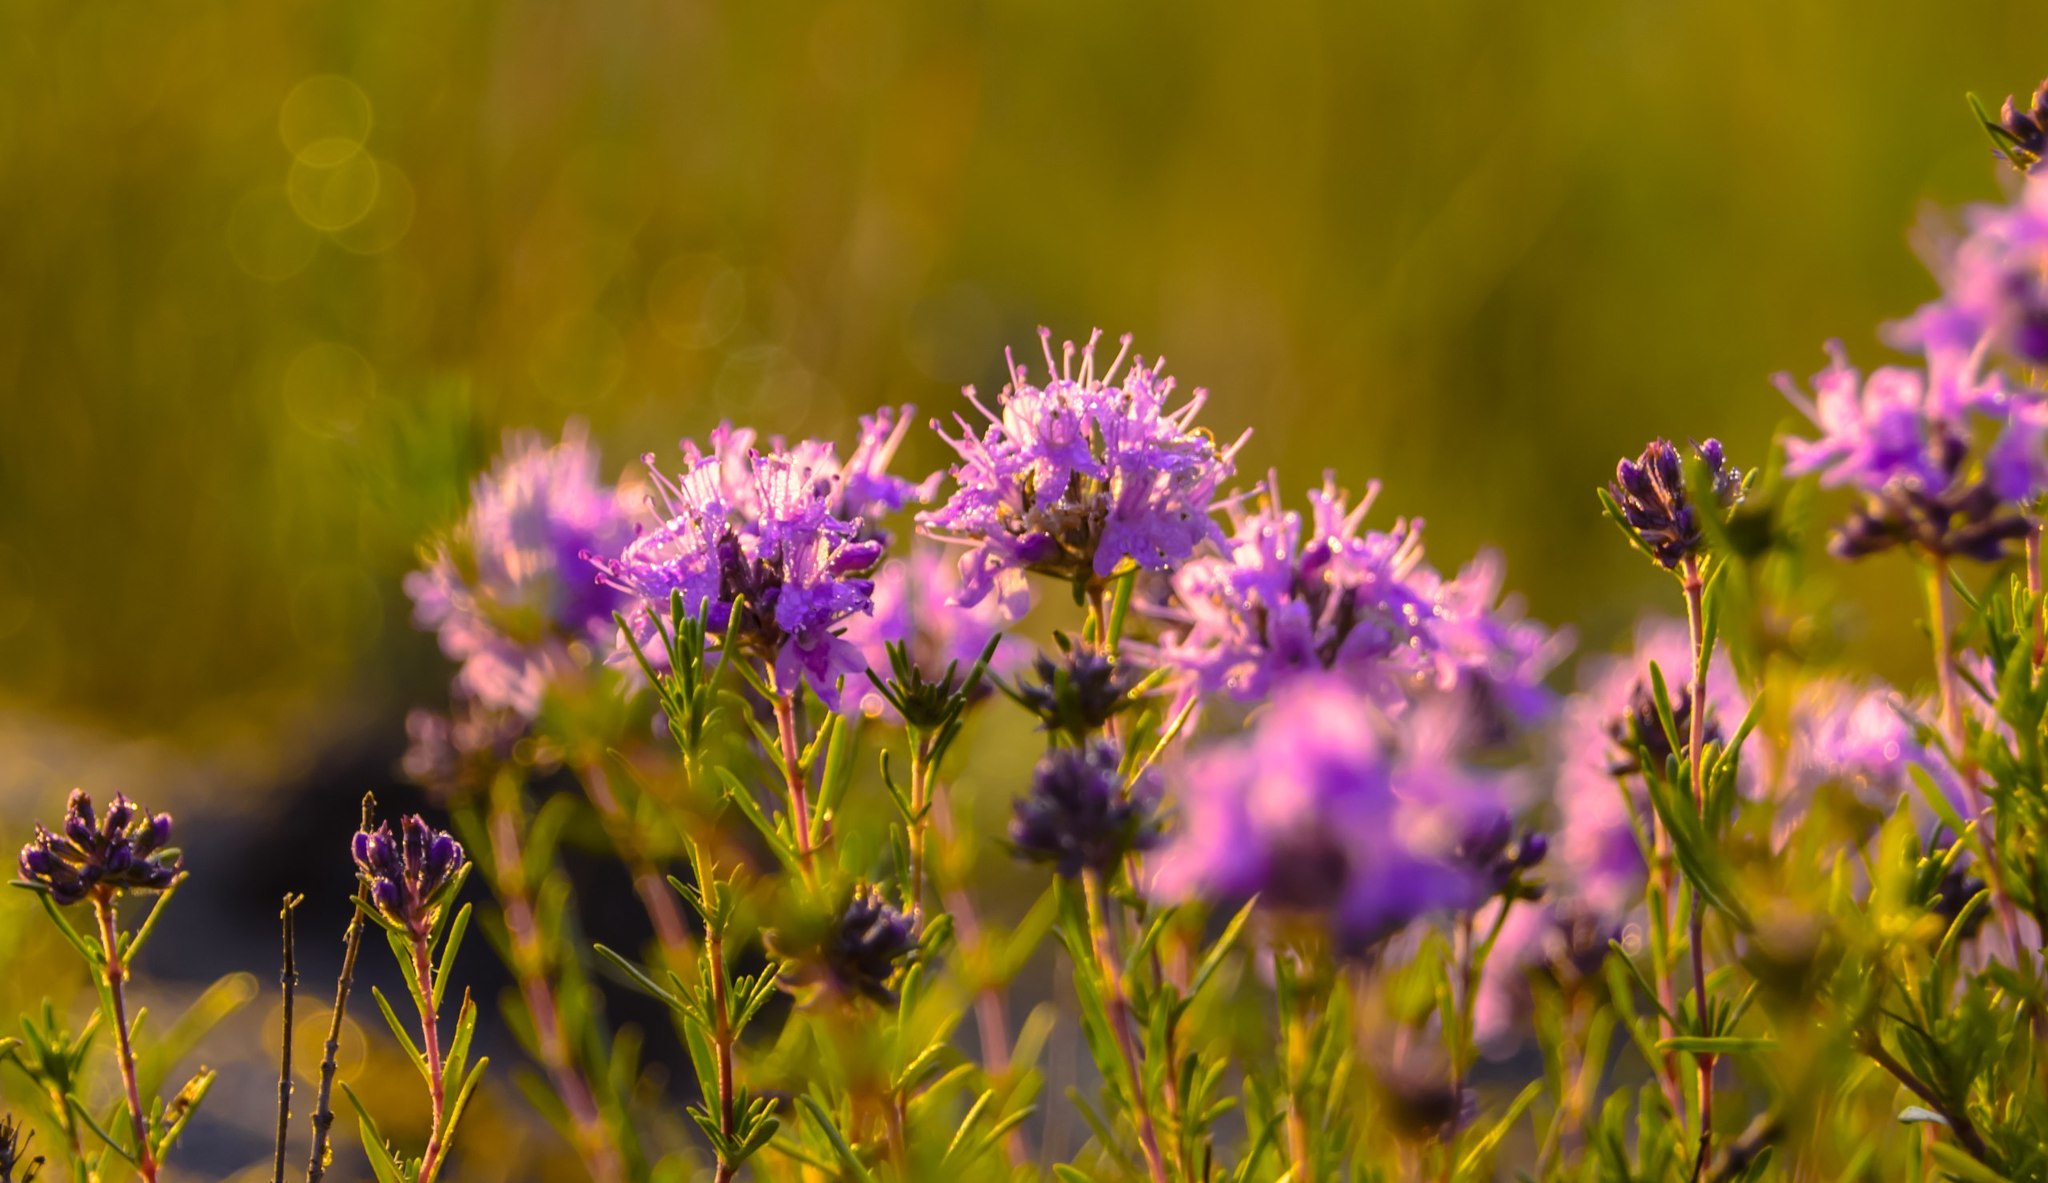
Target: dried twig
[(288, 978), (323, 1106)]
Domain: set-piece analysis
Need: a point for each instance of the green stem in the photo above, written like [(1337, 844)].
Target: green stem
[(1121, 1026), (1695, 613), (1957, 731), (529, 966), (793, 777), (116, 973), (430, 1047)]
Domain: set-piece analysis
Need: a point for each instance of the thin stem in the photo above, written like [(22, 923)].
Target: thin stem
[(1966, 1133), (430, 1047), (1966, 766), (323, 1104), (529, 966), (1696, 742), (1119, 1005), (288, 978), (670, 930), (116, 973), (1294, 1039), (920, 807), (991, 1011), (721, 1041), (2034, 586), (793, 776)]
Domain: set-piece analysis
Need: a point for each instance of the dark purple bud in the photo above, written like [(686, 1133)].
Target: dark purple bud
[(120, 811), (109, 855), (79, 822), (1079, 816)]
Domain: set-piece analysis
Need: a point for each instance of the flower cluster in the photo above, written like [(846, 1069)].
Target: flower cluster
[(1994, 293), (1657, 506), (1903, 437), (101, 855), (1080, 815), (1601, 733), (410, 874), (1079, 476), (506, 592), (1325, 811), (856, 955), (775, 532), (1292, 596)]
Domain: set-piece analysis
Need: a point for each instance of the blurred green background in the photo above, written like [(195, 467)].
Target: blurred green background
[(275, 277)]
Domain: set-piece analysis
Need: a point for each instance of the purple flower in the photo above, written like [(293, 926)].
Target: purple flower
[(1597, 855), (101, 855), (916, 605), (770, 530), (855, 955), (1651, 493), (2023, 131), (1077, 693), (1078, 476), (1564, 941), (1292, 596), (1324, 812), (460, 750), (1994, 287), (1903, 438), (1860, 738), (506, 591), (1080, 815), (410, 873)]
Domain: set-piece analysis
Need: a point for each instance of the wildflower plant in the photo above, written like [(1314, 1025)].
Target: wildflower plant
[(1313, 870), (409, 878), (100, 858)]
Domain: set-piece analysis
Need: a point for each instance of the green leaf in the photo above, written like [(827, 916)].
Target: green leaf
[(458, 1047), (441, 974), (846, 1155), (412, 1051), (1956, 1162), (637, 977), (1213, 960), (1714, 1045)]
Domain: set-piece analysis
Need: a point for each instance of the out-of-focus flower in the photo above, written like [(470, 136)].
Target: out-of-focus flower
[(1076, 693), (1079, 476), (1862, 739), (1080, 816), (1994, 292), (410, 873), (1638, 734), (452, 752), (1564, 941), (1291, 596), (1422, 1101), (1655, 503), (101, 855), (1322, 812), (506, 591), (1903, 438), (916, 605), (858, 953), (766, 529), (1596, 858)]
